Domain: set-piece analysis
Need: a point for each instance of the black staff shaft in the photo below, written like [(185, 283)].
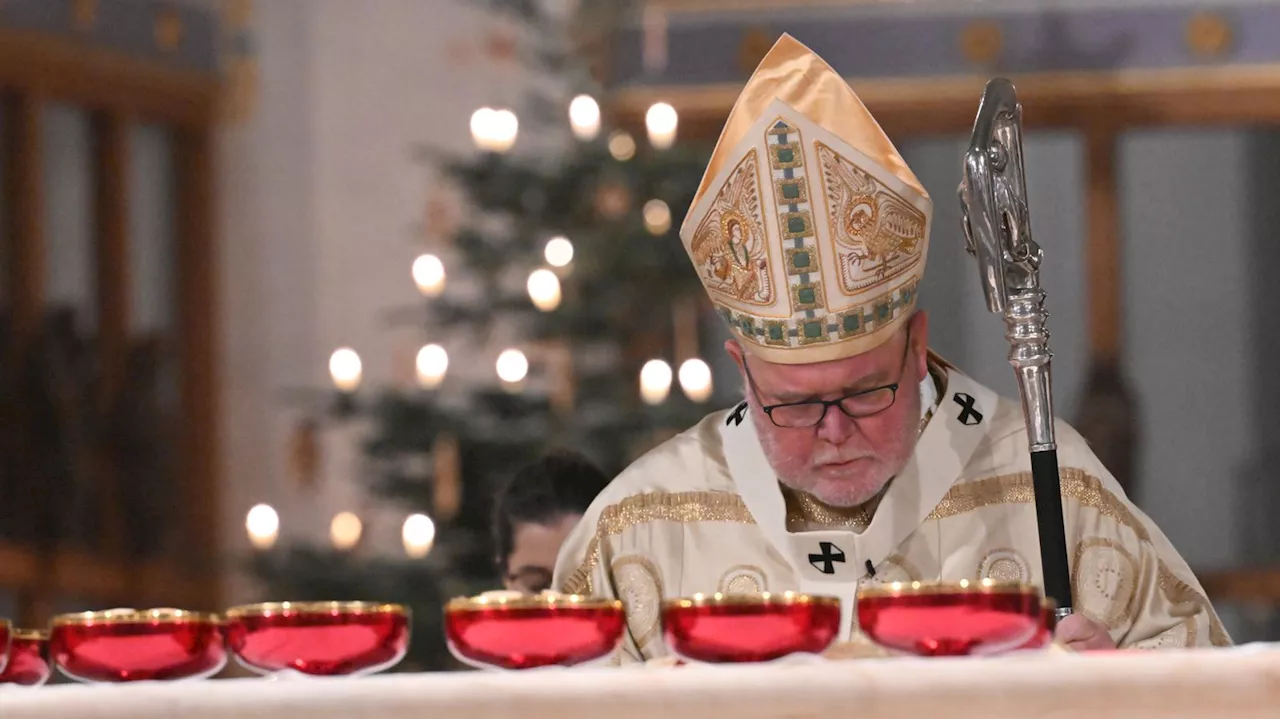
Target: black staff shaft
[(1053, 536)]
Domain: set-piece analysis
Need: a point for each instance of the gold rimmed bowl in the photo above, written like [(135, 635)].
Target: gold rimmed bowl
[(28, 659), (123, 645), (506, 630), (727, 628), (6, 637), (950, 618), (1048, 625), (318, 638)]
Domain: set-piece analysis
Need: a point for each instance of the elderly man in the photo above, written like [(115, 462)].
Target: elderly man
[(858, 455)]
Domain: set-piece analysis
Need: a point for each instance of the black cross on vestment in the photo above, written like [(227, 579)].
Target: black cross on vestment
[(968, 415), (829, 556)]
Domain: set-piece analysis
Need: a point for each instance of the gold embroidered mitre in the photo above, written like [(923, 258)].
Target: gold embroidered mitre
[(808, 231)]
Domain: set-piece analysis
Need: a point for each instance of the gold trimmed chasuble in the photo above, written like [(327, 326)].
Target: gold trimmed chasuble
[(704, 513)]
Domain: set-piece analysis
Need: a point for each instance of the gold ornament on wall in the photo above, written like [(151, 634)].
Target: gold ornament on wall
[(447, 496), (981, 42), (755, 43), (501, 46), (304, 454), (440, 214), (613, 200), (84, 14), (556, 356), (622, 146), (684, 326), (240, 63), (657, 217), (1208, 35), (168, 29)]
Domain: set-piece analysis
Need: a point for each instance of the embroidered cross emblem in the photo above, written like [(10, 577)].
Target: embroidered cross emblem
[(827, 558), (968, 415)]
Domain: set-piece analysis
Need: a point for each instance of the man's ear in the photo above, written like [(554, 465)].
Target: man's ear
[(920, 341), (735, 351)]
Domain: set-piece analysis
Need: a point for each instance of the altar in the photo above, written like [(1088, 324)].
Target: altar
[(1241, 683)]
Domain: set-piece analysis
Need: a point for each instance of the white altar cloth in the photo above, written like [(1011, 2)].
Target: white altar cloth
[(1241, 683)]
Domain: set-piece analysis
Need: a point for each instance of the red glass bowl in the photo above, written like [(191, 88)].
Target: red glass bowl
[(319, 638), (723, 628), (1048, 624), (28, 665), (525, 632), (6, 635), (950, 618), (122, 645)]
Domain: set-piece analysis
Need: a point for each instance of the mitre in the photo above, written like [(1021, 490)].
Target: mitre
[(808, 230)]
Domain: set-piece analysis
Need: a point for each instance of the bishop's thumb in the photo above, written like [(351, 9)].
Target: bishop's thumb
[(1074, 628)]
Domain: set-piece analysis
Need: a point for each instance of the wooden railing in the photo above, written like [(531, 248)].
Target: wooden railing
[(117, 91), (1258, 587)]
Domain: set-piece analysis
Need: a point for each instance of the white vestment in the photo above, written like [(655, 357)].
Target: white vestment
[(704, 513)]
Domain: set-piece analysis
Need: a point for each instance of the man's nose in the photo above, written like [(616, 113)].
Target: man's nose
[(836, 426)]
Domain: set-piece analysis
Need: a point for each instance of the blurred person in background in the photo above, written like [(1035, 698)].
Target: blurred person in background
[(534, 513)]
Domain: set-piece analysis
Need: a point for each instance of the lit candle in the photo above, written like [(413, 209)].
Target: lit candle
[(695, 380), (432, 364), (428, 275), (494, 130), (505, 129), (512, 366), (345, 531), (622, 146), (558, 252), (584, 117), (661, 121), (482, 127), (418, 534), (657, 217), (263, 526), (655, 381), (346, 369), (544, 289)]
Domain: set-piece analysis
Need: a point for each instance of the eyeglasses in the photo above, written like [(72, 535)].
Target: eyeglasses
[(532, 580), (810, 413)]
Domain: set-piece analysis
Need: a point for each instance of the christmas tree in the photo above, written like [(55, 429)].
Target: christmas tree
[(569, 269)]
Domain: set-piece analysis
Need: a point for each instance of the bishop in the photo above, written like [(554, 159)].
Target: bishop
[(858, 454)]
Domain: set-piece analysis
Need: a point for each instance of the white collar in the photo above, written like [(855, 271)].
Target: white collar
[(928, 396)]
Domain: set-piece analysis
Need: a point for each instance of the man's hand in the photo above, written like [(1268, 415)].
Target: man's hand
[(1079, 633)]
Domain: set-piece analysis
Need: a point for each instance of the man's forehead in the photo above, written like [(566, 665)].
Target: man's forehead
[(835, 373)]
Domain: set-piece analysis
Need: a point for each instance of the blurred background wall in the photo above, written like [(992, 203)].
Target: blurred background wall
[(312, 204)]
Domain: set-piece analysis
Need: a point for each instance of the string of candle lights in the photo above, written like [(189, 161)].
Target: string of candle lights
[(499, 135), (346, 529), (496, 129)]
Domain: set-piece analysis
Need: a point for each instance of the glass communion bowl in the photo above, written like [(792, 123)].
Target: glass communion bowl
[(507, 630), (1048, 624), (6, 636), (318, 638), (728, 628), (123, 645), (950, 618), (28, 659)]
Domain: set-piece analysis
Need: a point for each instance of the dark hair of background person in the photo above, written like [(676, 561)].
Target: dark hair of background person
[(560, 483)]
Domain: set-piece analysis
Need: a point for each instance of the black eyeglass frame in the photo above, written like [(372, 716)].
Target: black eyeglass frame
[(829, 403)]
